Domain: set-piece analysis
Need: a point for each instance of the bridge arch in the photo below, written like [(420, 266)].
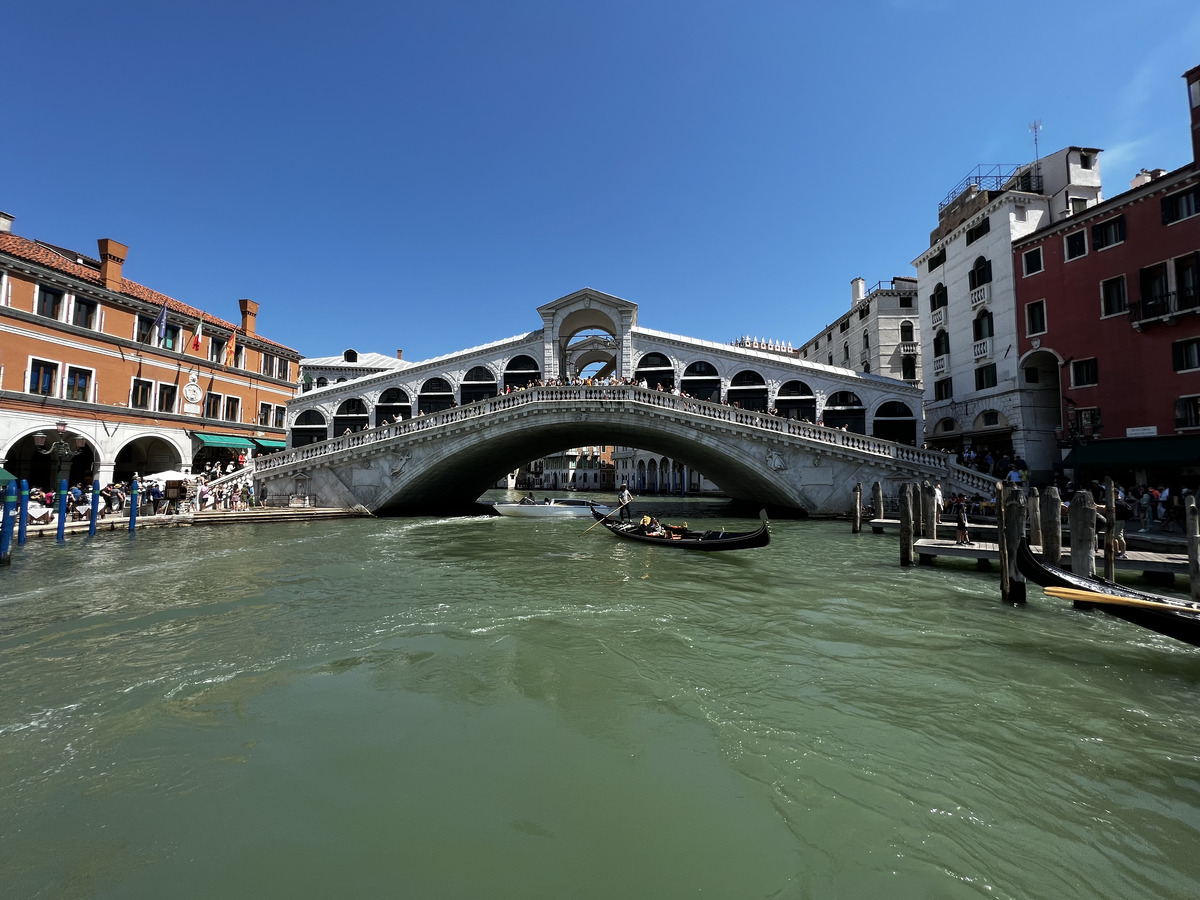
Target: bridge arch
[(702, 380), (895, 421), (521, 371), (748, 390), (844, 409), (478, 384), (351, 415), (796, 400), (393, 405), (435, 395), (309, 428), (657, 370)]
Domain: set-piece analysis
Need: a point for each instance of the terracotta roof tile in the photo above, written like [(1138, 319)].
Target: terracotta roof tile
[(23, 248)]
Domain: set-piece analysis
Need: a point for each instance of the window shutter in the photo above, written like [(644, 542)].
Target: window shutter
[(1098, 236), (1166, 211), (1178, 362), (1120, 228)]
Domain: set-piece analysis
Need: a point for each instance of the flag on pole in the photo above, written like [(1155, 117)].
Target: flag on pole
[(196, 335), (161, 322), (231, 349)]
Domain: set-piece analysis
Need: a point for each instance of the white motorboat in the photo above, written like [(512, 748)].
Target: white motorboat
[(552, 509)]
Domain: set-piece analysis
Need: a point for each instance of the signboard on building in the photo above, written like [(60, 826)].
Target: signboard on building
[(1142, 431)]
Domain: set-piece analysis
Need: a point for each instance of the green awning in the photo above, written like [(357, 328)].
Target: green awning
[(6, 476), (270, 444), (1149, 451), (222, 440)]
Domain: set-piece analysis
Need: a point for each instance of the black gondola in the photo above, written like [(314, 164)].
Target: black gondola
[(688, 539), (1182, 622)]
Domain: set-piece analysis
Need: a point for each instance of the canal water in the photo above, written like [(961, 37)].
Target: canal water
[(488, 707)]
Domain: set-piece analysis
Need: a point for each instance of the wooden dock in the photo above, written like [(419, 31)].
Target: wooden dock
[(1133, 561)]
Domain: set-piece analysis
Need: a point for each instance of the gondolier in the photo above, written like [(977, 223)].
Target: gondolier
[(624, 499)]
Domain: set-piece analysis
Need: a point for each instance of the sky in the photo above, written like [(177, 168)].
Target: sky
[(423, 176)]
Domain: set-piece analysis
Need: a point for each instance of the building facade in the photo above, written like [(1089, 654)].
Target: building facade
[(976, 393), (101, 377), (1108, 307)]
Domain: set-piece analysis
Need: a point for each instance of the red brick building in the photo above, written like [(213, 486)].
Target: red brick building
[(132, 379), (1108, 307)]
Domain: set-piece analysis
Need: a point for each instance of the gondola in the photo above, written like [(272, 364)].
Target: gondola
[(1182, 622), (681, 538)]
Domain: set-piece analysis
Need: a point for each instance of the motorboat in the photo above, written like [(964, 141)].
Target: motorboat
[(556, 508)]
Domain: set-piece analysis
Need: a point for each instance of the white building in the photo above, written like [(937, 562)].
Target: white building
[(975, 392)]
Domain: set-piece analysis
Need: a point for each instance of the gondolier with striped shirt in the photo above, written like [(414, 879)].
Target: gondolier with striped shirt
[(625, 499)]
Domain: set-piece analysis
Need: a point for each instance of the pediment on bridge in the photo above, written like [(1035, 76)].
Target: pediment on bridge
[(589, 299)]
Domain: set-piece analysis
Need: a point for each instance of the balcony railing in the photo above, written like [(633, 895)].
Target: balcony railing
[(1164, 306), (908, 348), (981, 294), (982, 349), (938, 317), (939, 364)]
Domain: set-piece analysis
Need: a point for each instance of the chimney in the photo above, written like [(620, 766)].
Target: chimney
[(1142, 177), (1193, 82), (399, 354), (249, 313), (112, 258), (6, 223), (858, 289)]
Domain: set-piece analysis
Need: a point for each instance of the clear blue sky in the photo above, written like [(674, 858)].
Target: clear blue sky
[(384, 175)]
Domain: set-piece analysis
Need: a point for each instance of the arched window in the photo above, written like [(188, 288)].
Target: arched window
[(845, 351), (845, 408), (906, 331), (520, 372), (322, 381), (702, 381), (939, 298), (894, 421), (982, 326), (795, 400), (941, 342), (980, 274), (310, 428), (748, 389), (436, 395), (350, 356), (866, 341), (479, 384), (656, 370), (352, 415), (393, 404)]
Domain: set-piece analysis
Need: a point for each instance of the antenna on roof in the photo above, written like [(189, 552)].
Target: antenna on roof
[(1035, 126)]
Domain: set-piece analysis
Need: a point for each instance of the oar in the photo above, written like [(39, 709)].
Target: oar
[(1098, 598), (598, 521)]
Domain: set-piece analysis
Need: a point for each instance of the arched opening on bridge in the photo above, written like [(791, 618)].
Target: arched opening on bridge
[(435, 396), (796, 401), (641, 476), (748, 390), (352, 415), (702, 381), (894, 421), (148, 455), (521, 372), (844, 409), (479, 384), (947, 435), (322, 381), (43, 470), (591, 354), (652, 476), (310, 428), (656, 370), (393, 405)]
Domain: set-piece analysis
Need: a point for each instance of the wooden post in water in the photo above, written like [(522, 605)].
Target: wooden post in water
[(1193, 536), (1015, 509), (1035, 517), (1110, 527), (1082, 519), (906, 524), (1051, 527), (1002, 541), (856, 518), (916, 509), (928, 519), (877, 499)]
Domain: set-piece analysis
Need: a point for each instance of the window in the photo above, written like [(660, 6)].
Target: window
[(976, 232), (906, 331), (1105, 234), (145, 330), (232, 409), (1033, 261), (1086, 160), (991, 418), (264, 414), (166, 398), (1155, 299), (1078, 205), (171, 338), (846, 351), (983, 326), (268, 366), (1112, 296), (985, 377), (1187, 281), (1183, 205), (1076, 244), (1185, 355), (866, 341), (943, 389), (844, 327), (78, 382), (939, 298), (216, 350), (1085, 372), (906, 301), (1194, 93), (1032, 375), (938, 259), (139, 397), (980, 274), (283, 370), (48, 302), (84, 314), (1035, 317), (908, 368), (280, 412), (212, 406), (43, 377), (941, 342), (864, 311), (1187, 412)]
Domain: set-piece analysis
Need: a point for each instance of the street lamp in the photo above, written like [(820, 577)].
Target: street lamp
[(61, 450)]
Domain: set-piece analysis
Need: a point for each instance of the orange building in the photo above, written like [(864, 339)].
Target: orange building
[(103, 377)]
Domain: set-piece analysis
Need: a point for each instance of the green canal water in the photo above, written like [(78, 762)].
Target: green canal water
[(486, 707)]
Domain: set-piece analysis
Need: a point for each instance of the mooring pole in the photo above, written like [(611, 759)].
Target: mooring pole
[(906, 524), (1035, 517), (23, 512), (6, 525), (1193, 536), (1082, 519), (1014, 519), (1110, 528), (928, 511), (95, 507), (877, 499), (1002, 542), (1052, 527), (62, 511), (856, 520), (133, 504)]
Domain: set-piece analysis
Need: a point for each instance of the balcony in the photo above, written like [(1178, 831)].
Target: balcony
[(938, 317), (982, 349), (908, 348), (981, 294), (1163, 307), (940, 364)]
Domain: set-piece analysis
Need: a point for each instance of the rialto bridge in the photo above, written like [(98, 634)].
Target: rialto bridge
[(763, 425)]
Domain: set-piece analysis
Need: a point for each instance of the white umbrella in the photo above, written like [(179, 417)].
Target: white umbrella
[(169, 475)]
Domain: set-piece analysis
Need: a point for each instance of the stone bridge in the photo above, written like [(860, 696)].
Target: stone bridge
[(444, 460)]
